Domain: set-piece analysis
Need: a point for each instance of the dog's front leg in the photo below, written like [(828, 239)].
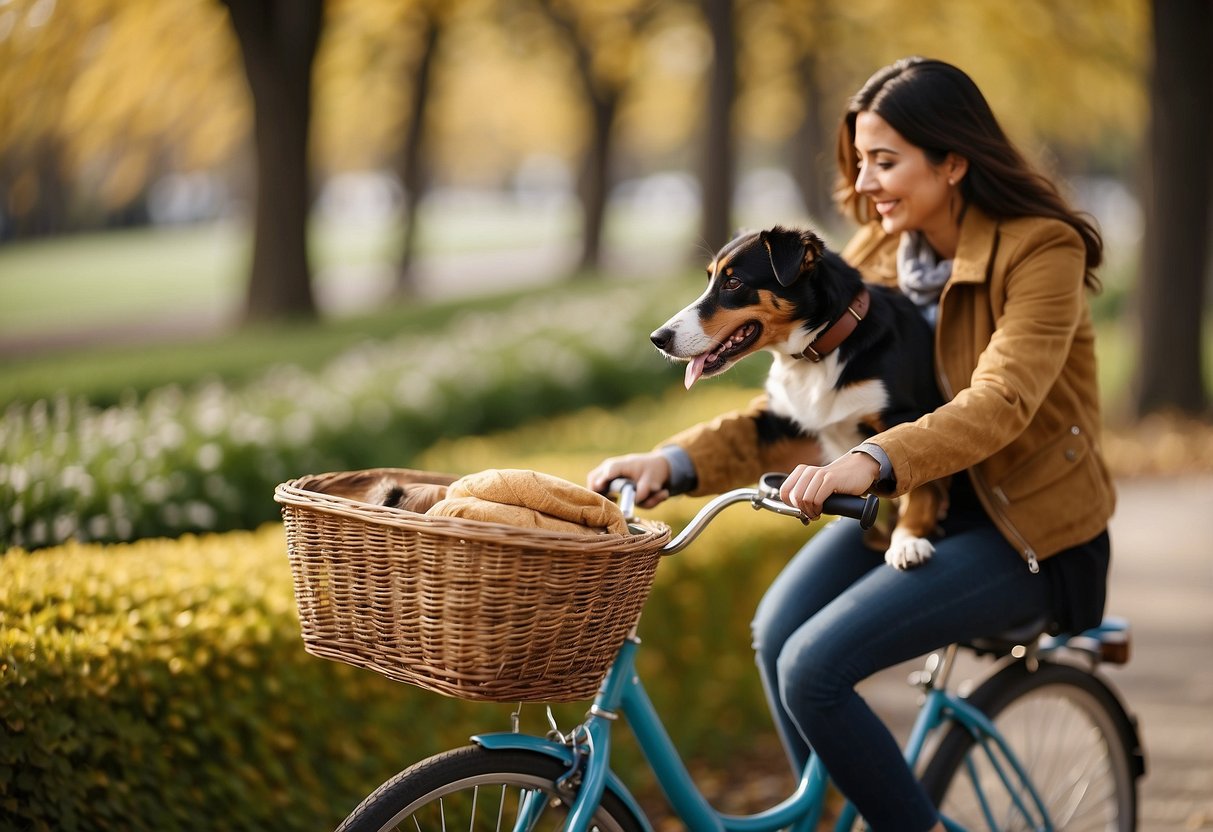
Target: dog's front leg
[(919, 512)]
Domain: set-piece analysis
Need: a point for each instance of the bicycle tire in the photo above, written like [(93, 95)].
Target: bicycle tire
[(476, 788), (1070, 733)]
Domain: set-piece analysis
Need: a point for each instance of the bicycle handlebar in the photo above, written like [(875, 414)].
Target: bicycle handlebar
[(765, 496)]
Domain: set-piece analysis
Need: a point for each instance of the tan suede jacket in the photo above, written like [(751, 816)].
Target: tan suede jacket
[(1015, 361)]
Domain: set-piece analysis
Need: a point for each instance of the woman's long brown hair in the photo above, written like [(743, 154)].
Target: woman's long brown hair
[(937, 107)]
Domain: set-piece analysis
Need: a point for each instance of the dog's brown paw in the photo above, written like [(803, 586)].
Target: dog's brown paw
[(907, 550)]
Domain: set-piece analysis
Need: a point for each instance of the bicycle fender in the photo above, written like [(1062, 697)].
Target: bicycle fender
[(563, 753)]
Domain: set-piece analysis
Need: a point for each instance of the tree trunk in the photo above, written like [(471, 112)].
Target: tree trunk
[(34, 194), (593, 186), (594, 178), (1178, 197), (278, 40), (718, 162), (413, 168), (810, 158)]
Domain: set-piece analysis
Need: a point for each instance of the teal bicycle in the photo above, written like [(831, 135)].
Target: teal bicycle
[(1042, 743)]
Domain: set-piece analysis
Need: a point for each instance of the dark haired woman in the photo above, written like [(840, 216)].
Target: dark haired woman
[(999, 263)]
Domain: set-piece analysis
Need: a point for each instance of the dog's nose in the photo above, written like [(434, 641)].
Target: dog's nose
[(662, 337)]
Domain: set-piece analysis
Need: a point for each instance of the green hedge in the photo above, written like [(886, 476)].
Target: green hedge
[(163, 684)]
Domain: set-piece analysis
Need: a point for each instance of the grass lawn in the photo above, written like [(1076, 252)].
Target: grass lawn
[(116, 278), (130, 276)]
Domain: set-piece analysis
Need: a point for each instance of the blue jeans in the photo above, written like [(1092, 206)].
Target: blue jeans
[(837, 614)]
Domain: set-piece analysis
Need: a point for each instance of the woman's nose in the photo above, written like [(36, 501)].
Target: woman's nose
[(865, 182)]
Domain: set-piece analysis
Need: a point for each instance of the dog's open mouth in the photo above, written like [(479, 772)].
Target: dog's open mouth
[(717, 360)]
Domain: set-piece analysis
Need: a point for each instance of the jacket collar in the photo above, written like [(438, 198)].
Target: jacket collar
[(978, 240), (875, 249)]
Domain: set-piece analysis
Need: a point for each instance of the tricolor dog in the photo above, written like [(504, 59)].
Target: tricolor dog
[(850, 359)]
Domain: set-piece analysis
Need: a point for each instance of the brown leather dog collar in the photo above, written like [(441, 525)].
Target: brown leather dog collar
[(837, 332)]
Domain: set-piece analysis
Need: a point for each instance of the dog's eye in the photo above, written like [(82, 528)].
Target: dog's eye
[(731, 284)]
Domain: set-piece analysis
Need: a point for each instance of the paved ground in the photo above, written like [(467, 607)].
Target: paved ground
[(1162, 580)]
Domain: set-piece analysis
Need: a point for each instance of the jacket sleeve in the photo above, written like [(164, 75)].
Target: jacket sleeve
[(736, 448), (1041, 307)]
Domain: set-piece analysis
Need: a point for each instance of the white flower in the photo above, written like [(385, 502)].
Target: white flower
[(209, 457)]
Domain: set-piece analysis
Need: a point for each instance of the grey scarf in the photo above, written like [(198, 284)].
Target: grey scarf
[(920, 274)]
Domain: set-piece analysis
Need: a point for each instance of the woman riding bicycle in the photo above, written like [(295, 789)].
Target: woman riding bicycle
[(994, 257)]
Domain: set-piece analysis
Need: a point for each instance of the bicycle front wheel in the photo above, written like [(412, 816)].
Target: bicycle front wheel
[(1072, 738), (473, 788)]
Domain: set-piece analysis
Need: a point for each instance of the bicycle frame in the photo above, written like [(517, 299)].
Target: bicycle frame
[(587, 752), (622, 692)]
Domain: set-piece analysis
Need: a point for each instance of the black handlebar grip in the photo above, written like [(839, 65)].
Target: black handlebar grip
[(862, 509)]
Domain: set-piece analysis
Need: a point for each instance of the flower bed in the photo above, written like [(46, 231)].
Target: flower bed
[(207, 458)]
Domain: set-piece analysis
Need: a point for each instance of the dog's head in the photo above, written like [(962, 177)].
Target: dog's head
[(759, 296)]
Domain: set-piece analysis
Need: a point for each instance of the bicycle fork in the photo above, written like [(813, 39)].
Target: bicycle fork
[(589, 746)]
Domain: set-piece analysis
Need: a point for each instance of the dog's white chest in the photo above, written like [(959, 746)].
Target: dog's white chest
[(805, 392)]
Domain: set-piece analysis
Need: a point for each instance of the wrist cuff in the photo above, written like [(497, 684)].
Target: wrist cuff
[(682, 470), (886, 480)]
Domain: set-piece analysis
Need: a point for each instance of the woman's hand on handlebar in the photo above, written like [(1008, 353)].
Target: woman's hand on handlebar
[(807, 486), (649, 471)]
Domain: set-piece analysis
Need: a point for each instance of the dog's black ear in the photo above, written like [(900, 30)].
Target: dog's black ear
[(791, 252), (814, 248)]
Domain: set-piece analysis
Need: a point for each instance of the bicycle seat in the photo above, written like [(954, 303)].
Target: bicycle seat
[(1000, 644)]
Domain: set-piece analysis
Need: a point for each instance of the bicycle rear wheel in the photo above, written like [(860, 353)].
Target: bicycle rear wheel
[(472, 789), (1070, 734)]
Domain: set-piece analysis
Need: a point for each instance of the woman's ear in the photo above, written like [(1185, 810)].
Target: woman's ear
[(956, 166)]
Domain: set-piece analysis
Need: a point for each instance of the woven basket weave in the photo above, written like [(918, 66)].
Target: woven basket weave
[(469, 609)]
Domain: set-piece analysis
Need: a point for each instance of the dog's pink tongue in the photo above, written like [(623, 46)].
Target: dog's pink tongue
[(695, 369)]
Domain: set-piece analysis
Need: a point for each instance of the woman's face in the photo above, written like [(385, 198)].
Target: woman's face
[(909, 192)]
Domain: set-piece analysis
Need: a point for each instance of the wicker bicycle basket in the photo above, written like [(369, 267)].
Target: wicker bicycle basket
[(469, 609)]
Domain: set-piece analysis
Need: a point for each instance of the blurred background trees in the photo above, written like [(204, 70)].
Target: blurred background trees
[(705, 113)]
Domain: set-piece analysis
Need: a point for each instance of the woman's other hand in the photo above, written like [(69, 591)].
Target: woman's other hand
[(807, 487), (650, 472)]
